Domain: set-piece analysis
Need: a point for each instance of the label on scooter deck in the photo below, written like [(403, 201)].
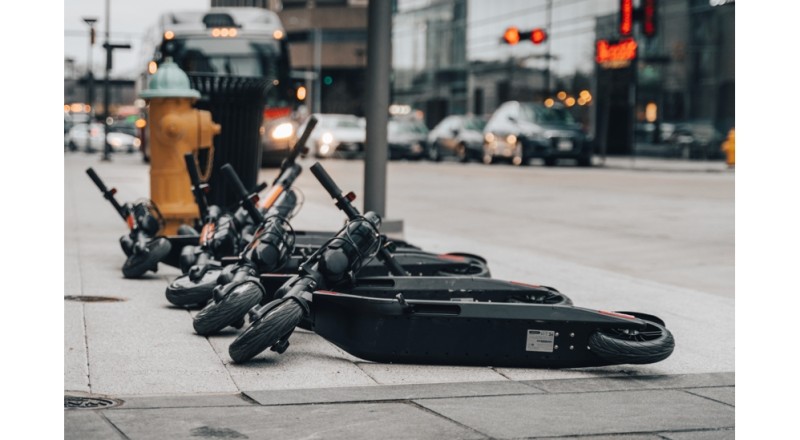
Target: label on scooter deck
[(540, 340)]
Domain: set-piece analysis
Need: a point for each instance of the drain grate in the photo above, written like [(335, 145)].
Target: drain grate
[(87, 402), (85, 298)]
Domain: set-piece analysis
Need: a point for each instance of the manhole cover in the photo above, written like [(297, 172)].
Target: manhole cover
[(82, 298), (89, 402)]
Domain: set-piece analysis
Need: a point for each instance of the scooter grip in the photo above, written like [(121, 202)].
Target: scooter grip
[(326, 181), (96, 179), (192, 168), (301, 143), (234, 179), (247, 203)]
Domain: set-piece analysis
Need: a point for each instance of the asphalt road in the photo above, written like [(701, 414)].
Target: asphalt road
[(668, 227)]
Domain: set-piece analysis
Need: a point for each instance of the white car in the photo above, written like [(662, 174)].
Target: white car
[(119, 141), (339, 135)]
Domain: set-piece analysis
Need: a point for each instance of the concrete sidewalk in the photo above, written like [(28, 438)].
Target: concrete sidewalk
[(133, 367)]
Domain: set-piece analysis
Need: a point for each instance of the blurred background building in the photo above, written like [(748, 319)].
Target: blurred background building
[(449, 57)]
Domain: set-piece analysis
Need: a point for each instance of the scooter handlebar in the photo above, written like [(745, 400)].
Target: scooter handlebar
[(247, 201), (108, 194)]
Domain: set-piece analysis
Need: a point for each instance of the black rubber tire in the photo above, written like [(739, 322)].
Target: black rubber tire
[(462, 153), (184, 292), (231, 309), (617, 346), (262, 334), (136, 265), (476, 268)]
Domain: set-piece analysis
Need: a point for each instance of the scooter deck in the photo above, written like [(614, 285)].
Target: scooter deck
[(461, 331)]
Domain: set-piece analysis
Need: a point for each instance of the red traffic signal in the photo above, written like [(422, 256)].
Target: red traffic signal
[(626, 17), (649, 17), (511, 36), (538, 36)]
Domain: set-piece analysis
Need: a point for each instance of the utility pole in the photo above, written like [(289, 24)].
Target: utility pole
[(106, 83), (90, 82), (379, 63), (106, 97), (547, 55)]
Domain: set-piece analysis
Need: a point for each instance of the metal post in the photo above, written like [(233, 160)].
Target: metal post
[(547, 56), (379, 63), (90, 84), (317, 103), (106, 97)]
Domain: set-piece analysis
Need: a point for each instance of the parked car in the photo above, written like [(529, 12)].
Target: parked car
[(91, 138), (277, 137), (408, 138), (339, 135), (459, 136), (695, 140), (519, 131)]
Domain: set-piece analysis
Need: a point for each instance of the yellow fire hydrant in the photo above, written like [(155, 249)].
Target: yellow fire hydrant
[(729, 148), (176, 128)]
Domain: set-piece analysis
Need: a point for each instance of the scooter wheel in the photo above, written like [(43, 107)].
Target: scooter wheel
[(652, 344), (184, 292), (229, 310), (477, 267), (136, 265), (279, 322)]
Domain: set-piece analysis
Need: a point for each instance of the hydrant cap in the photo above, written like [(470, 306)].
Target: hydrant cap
[(170, 81)]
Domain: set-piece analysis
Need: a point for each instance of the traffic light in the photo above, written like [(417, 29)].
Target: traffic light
[(538, 36), (649, 17), (645, 14), (511, 36), (626, 18)]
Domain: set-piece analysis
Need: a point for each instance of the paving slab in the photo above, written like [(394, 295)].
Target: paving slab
[(614, 412), (88, 424), (716, 434), (633, 382), (76, 362), (389, 392), (341, 421), (725, 395), (184, 401)]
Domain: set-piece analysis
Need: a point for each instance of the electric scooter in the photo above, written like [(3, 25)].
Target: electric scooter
[(280, 249), (439, 320), (142, 247)]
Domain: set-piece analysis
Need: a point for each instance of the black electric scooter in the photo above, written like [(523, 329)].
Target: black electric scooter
[(452, 321), (248, 282), (142, 247), (280, 249)]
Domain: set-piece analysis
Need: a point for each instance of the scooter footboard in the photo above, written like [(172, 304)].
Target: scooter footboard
[(461, 333)]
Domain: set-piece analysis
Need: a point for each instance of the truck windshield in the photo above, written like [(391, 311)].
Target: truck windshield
[(230, 56)]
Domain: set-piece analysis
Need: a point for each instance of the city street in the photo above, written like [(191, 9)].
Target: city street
[(646, 235)]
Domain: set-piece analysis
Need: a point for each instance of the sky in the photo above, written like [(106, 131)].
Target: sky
[(128, 20)]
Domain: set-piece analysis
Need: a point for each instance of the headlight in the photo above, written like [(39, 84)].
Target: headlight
[(489, 138), (115, 143), (511, 139), (284, 130), (327, 138), (137, 142)]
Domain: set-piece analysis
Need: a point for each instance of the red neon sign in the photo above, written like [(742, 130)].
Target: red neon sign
[(649, 17), (625, 17), (615, 53)]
